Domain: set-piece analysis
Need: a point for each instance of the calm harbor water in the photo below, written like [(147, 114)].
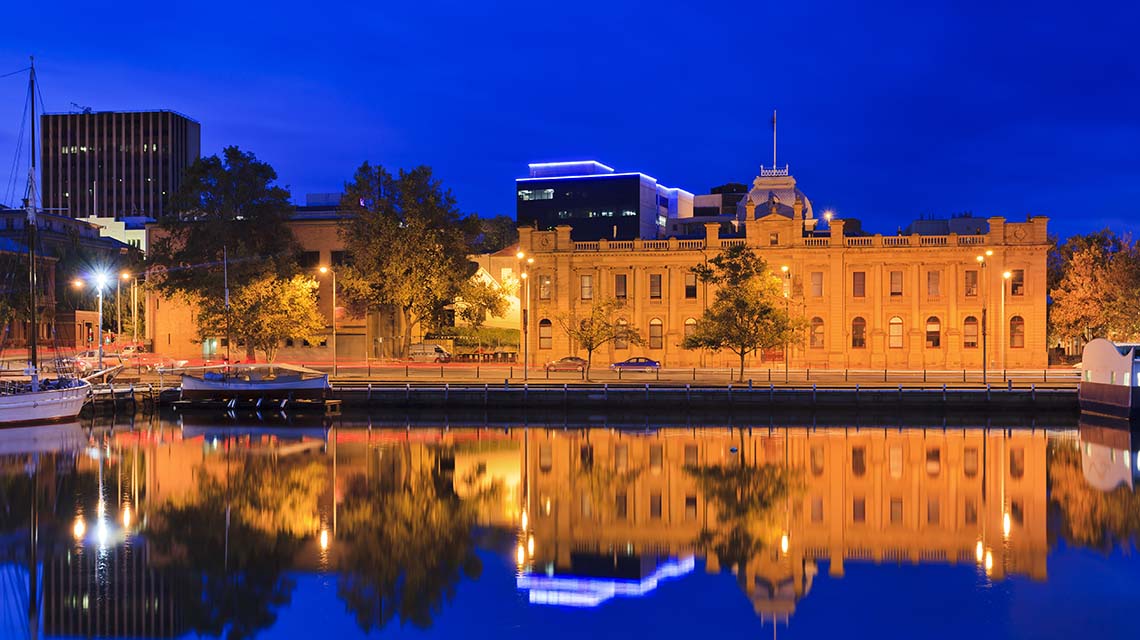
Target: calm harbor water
[(357, 526)]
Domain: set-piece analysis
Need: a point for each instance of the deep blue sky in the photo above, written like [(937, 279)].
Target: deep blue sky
[(888, 110)]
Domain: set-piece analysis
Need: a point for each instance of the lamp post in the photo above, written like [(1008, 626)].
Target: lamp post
[(333, 319), (787, 314), (1005, 276), (524, 304), (982, 263), (101, 283)]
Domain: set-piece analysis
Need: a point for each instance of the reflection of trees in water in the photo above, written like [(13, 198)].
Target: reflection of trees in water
[(1089, 517), (407, 545), (63, 491), (232, 581), (747, 500)]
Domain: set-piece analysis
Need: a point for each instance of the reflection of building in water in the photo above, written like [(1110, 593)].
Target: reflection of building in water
[(869, 495)]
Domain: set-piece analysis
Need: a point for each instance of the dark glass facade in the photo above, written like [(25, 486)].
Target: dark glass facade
[(601, 206)]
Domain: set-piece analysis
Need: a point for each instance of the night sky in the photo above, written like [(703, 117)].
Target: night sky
[(888, 110)]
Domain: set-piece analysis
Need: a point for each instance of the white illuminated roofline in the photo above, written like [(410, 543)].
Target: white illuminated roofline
[(571, 163), (606, 175), (591, 592)]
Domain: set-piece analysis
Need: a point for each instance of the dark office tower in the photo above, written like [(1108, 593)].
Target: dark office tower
[(114, 164)]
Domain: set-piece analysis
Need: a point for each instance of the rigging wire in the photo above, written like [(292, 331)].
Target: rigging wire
[(10, 191)]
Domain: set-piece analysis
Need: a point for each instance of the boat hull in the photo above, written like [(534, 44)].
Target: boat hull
[(43, 407), (230, 389), (1113, 400)]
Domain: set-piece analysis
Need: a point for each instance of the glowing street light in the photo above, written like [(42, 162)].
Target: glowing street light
[(324, 270)]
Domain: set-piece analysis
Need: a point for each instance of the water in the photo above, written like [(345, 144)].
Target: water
[(244, 528)]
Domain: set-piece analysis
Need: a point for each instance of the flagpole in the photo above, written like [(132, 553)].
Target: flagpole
[(773, 138)]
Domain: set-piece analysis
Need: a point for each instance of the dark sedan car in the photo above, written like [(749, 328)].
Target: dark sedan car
[(637, 364), (569, 363)]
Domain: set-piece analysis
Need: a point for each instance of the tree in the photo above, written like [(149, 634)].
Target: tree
[(496, 233), (479, 298), (229, 203), (407, 245), (748, 313), (1096, 288), (266, 312), (599, 328)]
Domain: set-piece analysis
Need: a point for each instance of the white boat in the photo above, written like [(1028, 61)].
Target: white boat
[(1110, 379), (256, 382), (35, 400)]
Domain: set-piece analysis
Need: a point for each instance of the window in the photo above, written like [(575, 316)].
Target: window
[(971, 511), (1016, 332), (545, 334), (773, 239), (1017, 282), (859, 509), (895, 461), (896, 283), (690, 455), (932, 513), (655, 286), (586, 456), (690, 286), (536, 194), (544, 287), (896, 511), (587, 284), (656, 335), (545, 457), (587, 507), (895, 333), (970, 462), (859, 284), (970, 333), (655, 505), (933, 284), (817, 460), (621, 457), (816, 338), (933, 462), (858, 461), (690, 327), (619, 286), (1016, 462), (690, 507), (858, 333), (621, 506), (933, 333), (971, 285), (620, 341), (656, 454), (817, 284), (817, 509)]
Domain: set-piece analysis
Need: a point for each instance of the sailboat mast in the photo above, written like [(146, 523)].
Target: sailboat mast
[(30, 207)]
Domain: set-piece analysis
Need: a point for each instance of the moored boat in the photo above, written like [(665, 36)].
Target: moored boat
[(256, 382), (1110, 379)]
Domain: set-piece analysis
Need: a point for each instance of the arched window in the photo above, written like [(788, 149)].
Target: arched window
[(858, 333), (656, 334), (816, 333), (895, 333), (1016, 332), (545, 333), (690, 327), (619, 340), (970, 333), (933, 333)]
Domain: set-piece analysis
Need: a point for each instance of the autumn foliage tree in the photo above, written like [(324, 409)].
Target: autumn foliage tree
[(266, 312), (1095, 288)]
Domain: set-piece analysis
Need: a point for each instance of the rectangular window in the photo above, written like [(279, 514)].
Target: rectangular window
[(690, 455), (690, 286), (655, 505), (971, 511), (859, 510), (619, 286), (655, 455), (544, 287), (655, 286), (773, 239), (859, 284), (932, 514), (1017, 282), (817, 509), (690, 507), (621, 505), (896, 283), (817, 284), (536, 194), (587, 287), (896, 510), (971, 284), (933, 284)]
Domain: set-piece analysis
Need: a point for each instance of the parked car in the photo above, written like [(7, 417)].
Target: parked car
[(638, 363), (428, 353), (88, 361), (568, 363), (137, 357)]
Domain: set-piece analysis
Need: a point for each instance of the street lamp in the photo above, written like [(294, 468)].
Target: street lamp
[(330, 271), (524, 294), (1005, 276), (101, 280), (982, 263), (787, 313)]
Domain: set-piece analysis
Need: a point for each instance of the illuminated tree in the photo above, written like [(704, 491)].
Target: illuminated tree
[(598, 327), (266, 312)]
